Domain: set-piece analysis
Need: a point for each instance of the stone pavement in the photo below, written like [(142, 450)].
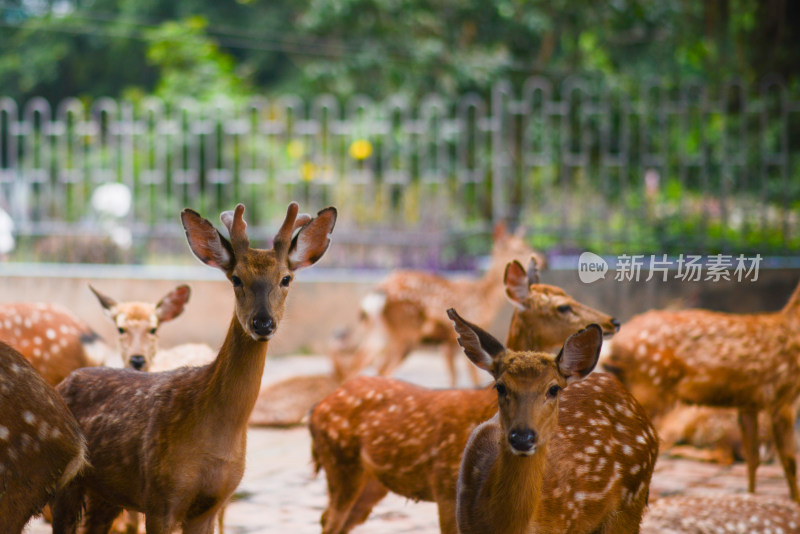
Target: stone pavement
[(280, 494)]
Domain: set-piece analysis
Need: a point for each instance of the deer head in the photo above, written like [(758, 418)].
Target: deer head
[(545, 315), (260, 278), (138, 323), (528, 383)]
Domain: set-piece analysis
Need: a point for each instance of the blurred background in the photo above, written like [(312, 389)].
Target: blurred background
[(623, 127)]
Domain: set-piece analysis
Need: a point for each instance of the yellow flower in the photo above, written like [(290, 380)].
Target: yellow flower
[(360, 149), (308, 171), (295, 149)]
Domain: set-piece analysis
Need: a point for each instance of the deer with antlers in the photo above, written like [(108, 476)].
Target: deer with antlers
[(745, 361), (172, 444), (407, 308), (560, 455), (376, 434), (52, 338), (41, 445)]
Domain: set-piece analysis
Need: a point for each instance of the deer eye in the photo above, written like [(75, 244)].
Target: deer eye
[(501, 390), (237, 282), (120, 330), (286, 280), (564, 308), (152, 330), (553, 391)]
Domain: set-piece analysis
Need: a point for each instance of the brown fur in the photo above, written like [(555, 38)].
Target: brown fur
[(172, 444), (49, 336), (710, 514), (41, 445), (414, 302), (745, 361), (375, 434)]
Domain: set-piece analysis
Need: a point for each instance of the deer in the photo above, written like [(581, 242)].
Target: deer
[(41, 445), (749, 362), (172, 444), (52, 338), (376, 434), (566, 451), (709, 514), (138, 322), (407, 308)]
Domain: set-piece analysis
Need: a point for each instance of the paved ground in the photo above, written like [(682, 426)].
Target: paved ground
[(279, 493)]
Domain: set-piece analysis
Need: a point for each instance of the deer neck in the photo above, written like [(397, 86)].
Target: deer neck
[(234, 378), (491, 287), (523, 335), (792, 308), (515, 487)]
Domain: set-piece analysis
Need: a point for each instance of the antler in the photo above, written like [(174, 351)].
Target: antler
[(234, 222), (284, 236), (533, 271)]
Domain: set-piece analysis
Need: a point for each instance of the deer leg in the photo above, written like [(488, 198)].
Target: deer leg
[(748, 424), (200, 525), (783, 434), (371, 494), (344, 488), (447, 516), (394, 355), (66, 509), (221, 520), (100, 516), (450, 351)]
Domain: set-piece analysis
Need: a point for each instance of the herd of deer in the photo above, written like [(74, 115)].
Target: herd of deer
[(552, 446)]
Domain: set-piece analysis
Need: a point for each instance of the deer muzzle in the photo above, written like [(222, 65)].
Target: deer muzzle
[(522, 441)]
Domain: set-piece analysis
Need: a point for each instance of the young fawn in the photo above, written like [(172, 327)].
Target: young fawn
[(138, 323), (745, 361), (172, 444), (51, 337), (559, 455), (41, 445), (375, 434), (745, 514), (407, 308)]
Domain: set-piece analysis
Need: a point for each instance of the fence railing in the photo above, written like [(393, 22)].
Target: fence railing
[(582, 165)]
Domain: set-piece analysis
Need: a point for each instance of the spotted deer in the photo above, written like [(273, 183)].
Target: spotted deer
[(172, 444), (712, 514), (407, 308), (41, 445), (51, 337), (565, 451), (745, 361), (138, 322), (375, 434)]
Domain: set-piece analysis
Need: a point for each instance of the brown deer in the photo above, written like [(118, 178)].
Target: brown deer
[(407, 308), (172, 444), (710, 514), (560, 455), (138, 322), (41, 445), (745, 361), (375, 434), (51, 337)]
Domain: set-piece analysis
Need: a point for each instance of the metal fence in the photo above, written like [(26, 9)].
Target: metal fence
[(663, 168)]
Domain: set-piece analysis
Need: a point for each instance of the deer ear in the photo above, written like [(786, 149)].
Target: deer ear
[(206, 242), (516, 282), (172, 304), (105, 301), (312, 240), (580, 353), (480, 346)]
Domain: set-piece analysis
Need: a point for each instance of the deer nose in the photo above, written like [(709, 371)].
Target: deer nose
[(615, 322), (137, 361), (522, 440), (263, 325)]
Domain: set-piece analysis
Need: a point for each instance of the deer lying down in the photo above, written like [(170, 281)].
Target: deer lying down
[(745, 361), (375, 434), (560, 455), (713, 514), (172, 444), (41, 445)]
